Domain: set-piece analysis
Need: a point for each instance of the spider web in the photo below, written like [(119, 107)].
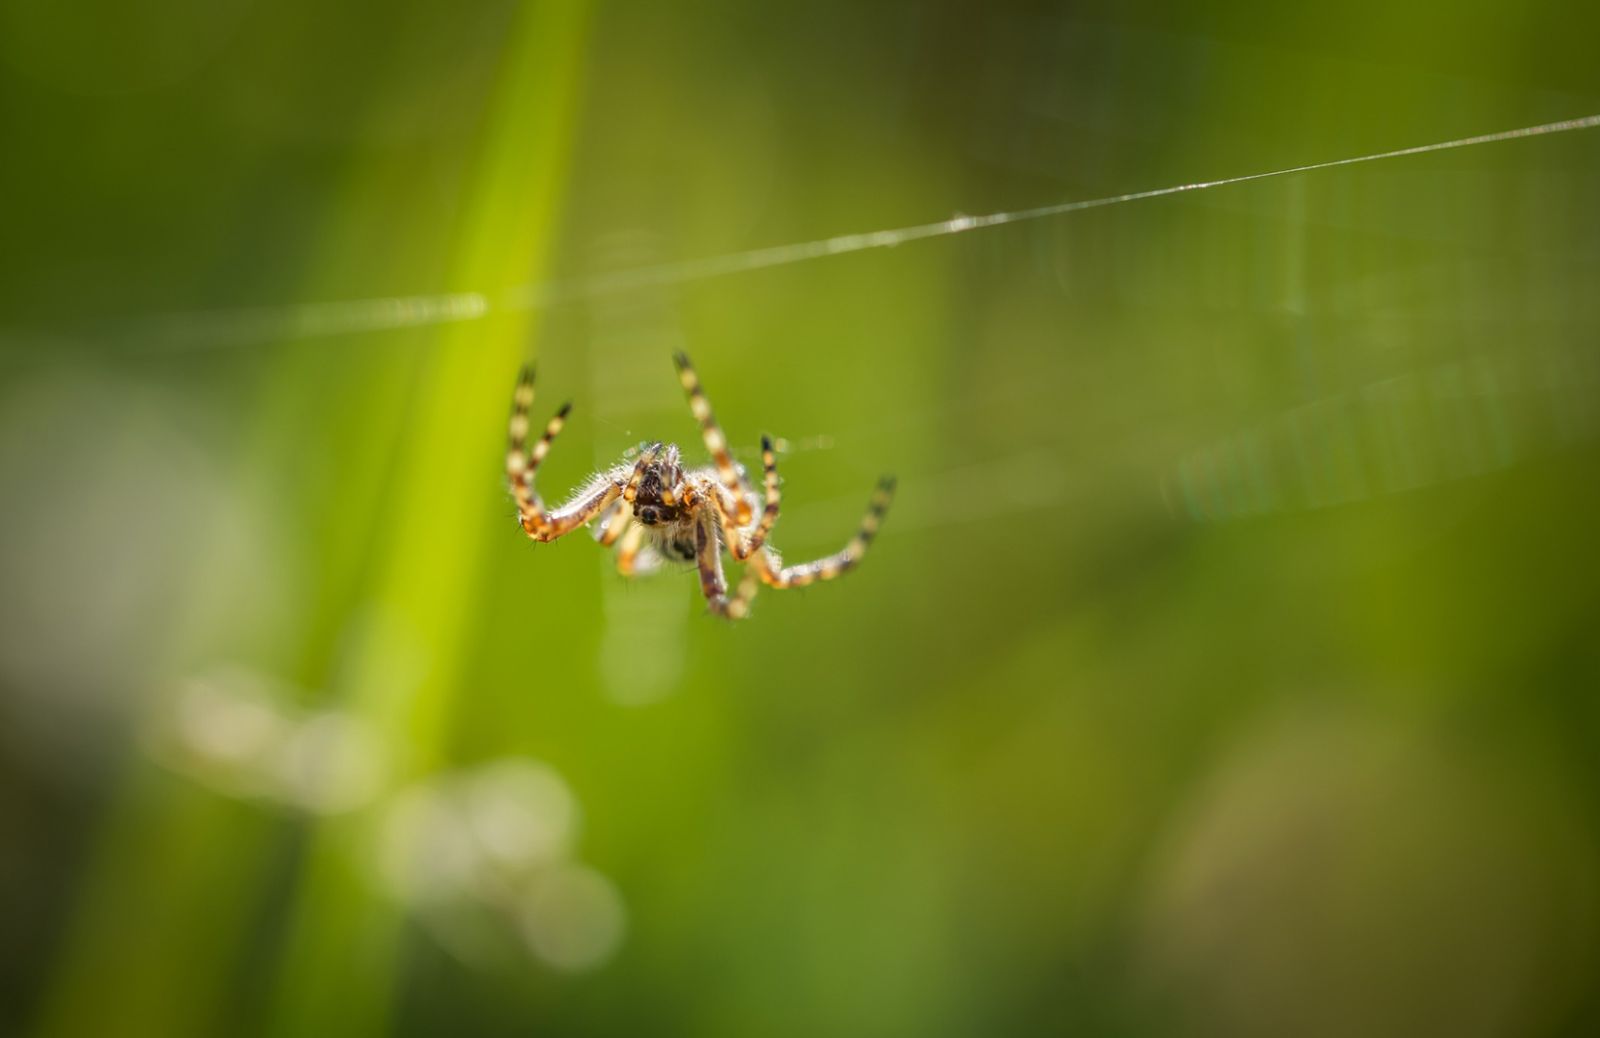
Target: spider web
[(221, 328), (1313, 455), (1340, 379)]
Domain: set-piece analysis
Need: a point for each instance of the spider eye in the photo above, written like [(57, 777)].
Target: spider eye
[(648, 516)]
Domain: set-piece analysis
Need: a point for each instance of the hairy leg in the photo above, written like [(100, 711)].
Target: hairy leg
[(716, 441), (521, 464), (839, 562), (708, 557), (634, 557), (745, 541)]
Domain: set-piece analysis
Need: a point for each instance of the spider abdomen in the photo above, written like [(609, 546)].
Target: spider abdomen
[(680, 547)]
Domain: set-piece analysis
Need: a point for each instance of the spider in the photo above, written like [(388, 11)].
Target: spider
[(654, 509)]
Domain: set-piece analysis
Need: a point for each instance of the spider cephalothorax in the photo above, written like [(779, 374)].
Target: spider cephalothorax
[(654, 502), (654, 508)]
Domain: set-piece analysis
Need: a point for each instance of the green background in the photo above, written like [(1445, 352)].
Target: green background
[(1227, 664)]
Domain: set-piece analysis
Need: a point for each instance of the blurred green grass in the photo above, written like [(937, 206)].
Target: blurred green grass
[(1226, 665)]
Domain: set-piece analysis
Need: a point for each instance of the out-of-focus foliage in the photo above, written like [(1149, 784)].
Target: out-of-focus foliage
[(1226, 666)]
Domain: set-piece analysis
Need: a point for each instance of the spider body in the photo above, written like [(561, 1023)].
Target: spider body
[(654, 509), (654, 502)]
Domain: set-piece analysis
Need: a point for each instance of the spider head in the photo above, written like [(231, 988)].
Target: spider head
[(656, 502)]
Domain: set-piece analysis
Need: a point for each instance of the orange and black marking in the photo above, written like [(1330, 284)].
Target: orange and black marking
[(841, 561), (771, 503), (614, 522), (628, 551), (773, 500), (713, 584), (520, 463), (647, 458), (715, 440), (653, 510)]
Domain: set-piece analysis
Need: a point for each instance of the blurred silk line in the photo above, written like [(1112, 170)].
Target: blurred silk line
[(288, 323), (409, 425)]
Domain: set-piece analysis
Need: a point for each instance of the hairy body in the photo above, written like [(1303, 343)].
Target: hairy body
[(654, 509)]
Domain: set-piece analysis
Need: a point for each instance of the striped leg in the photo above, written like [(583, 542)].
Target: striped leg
[(634, 558), (520, 464), (598, 495), (613, 522), (647, 457), (716, 441), (839, 562), (748, 586), (708, 556), (743, 544)]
